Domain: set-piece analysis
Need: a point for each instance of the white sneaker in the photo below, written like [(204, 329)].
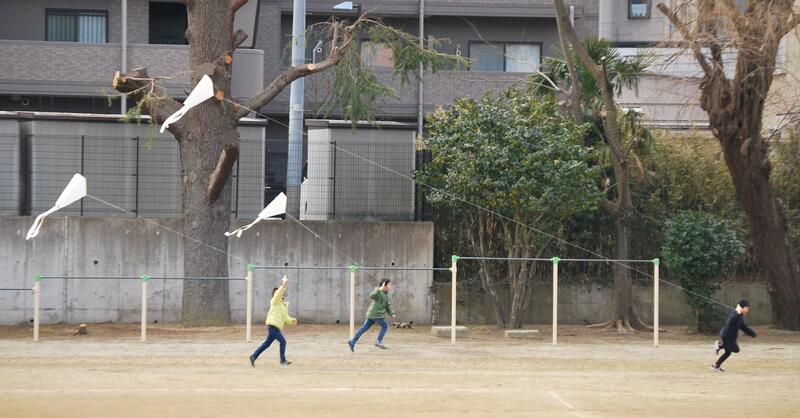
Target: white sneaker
[(717, 346)]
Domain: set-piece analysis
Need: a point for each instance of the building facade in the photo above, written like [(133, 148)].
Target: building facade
[(60, 56)]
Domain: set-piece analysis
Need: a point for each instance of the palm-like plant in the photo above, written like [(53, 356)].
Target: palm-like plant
[(623, 72), (601, 73)]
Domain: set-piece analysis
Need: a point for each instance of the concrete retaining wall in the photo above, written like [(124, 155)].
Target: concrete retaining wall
[(131, 247), (591, 304)]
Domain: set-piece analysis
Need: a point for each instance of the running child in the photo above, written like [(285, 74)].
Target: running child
[(730, 332), (277, 318), (378, 309)]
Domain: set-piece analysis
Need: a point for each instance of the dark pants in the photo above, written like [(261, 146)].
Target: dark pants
[(368, 324), (273, 334), (730, 347)]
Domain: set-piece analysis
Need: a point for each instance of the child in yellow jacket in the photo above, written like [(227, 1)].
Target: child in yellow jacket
[(277, 318)]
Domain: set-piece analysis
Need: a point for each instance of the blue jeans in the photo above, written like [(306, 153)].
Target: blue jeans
[(273, 334), (368, 324)]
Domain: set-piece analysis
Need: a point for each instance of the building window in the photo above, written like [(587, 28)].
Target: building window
[(638, 9), (508, 57), (167, 23), (377, 55), (89, 26)]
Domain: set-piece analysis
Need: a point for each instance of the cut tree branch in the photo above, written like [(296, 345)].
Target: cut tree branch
[(286, 77), (238, 38), (218, 178), (237, 4), (140, 86)]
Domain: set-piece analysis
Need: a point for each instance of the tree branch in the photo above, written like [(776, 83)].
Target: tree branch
[(681, 27), (238, 38), (140, 86), (599, 74), (609, 206), (286, 77), (709, 20), (574, 93), (735, 16), (237, 4)]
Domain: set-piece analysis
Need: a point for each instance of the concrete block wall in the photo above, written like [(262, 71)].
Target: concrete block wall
[(131, 247), (579, 305)]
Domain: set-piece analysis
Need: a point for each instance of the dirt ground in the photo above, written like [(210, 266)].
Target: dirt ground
[(204, 372)]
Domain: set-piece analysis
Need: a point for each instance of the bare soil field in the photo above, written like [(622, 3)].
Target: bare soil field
[(204, 372)]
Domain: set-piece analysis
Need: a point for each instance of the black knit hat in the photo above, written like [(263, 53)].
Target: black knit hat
[(744, 303)]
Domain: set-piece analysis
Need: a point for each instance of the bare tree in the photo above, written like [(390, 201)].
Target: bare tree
[(735, 109), (209, 142)]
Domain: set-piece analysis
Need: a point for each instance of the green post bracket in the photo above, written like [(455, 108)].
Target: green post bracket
[(353, 268), (656, 262), (250, 267), (37, 277), (455, 258), (144, 278), (555, 260)]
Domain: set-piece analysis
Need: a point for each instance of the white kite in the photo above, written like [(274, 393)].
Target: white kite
[(275, 208), (75, 191), (202, 92)]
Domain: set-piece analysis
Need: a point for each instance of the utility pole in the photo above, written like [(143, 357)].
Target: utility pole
[(294, 167)]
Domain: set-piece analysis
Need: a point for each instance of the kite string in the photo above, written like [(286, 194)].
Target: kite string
[(350, 259), (173, 231), (475, 205)]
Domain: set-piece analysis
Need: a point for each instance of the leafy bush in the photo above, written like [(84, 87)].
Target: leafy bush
[(700, 247)]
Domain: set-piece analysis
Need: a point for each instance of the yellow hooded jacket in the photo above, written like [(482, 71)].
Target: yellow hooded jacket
[(278, 315)]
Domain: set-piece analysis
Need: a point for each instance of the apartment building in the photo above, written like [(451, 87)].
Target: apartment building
[(58, 57), (669, 94)]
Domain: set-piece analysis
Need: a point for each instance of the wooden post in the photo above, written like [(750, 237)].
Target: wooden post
[(656, 284), (144, 278), (353, 269), (249, 304), (555, 261), (453, 298), (37, 298)]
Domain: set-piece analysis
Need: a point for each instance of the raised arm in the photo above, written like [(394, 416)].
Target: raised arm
[(278, 296)]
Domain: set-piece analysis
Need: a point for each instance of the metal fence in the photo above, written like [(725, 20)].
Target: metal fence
[(140, 175), (358, 180), (355, 180)]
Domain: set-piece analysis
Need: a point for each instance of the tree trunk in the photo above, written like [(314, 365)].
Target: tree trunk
[(735, 111), (621, 209), (623, 289), (483, 244), (206, 130), (749, 167), (519, 296), (487, 280)]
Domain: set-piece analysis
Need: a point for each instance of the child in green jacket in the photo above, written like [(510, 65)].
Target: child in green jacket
[(378, 309), (277, 318)]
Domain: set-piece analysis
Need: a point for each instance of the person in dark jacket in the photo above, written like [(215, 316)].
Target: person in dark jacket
[(378, 308), (730, 332)]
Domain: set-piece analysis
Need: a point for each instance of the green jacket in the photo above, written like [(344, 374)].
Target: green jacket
[(380, 305), (278, 315)]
